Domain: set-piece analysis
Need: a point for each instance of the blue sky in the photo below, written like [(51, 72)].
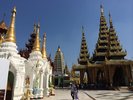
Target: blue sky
[(62, 21)]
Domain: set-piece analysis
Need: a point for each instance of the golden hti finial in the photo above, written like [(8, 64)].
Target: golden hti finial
[(11, 31), (58, 48), (44, 54), (83, 31), (101, 10), (110, 19), (36, 46), (34, 31)]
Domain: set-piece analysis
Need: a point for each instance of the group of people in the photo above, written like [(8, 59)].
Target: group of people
[(74, 91)]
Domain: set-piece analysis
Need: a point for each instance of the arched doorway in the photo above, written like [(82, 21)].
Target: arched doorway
[(10, 83), (100, 79), (118, 77)]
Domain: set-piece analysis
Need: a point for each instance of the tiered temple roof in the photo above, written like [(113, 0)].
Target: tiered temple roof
[(25, 52), (30, 43), (115, 49), (100, 52), (84, 55), (108, 46)]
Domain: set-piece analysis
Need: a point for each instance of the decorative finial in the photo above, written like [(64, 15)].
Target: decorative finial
[(36, 46), (11, 31), (45, 35), (44, 54), (58, 48), (38, 28), (110, 19), (34, 31), (83, 30), (101, 9)]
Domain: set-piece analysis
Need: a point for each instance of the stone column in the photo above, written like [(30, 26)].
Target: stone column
[(47, 84)]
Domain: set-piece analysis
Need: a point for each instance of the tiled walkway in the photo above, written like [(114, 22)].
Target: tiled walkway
[(110, 95), (64, 94)]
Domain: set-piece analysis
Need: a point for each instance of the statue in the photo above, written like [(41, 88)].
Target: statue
[(27, 81)]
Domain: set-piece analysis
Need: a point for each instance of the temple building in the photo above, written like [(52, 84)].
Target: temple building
[(30, 74), (59, 62), (3, 30), (8, 50), (61, 72), (107, 67), (29, 45)]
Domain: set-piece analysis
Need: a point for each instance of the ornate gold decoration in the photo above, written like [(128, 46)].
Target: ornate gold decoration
[(36, 46), (44, 54), (11, 31), (1, 39)]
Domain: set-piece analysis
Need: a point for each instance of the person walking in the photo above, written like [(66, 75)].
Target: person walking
[(76, 92), (72, 90)]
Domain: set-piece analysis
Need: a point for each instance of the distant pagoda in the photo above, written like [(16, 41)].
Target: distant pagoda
[(3, 27), (59, 62), (115, 49), (30, 43), (84, 55), (3, 30), (25, 52)]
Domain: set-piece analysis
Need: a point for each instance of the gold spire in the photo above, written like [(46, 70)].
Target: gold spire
[(36, 46), (44, 54), (11, 31)]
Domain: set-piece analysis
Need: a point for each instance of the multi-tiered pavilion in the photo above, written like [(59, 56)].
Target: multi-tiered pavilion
[(107, 67)]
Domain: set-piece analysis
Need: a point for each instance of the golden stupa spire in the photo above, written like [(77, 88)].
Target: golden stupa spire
[(11, 31), (44, 54), (36, 46)]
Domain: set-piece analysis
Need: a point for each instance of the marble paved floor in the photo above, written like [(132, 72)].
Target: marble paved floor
[(64, 94), (110, 95)]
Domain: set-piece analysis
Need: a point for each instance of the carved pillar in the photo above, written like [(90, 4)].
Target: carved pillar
[(81, 76), (94, 76)]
